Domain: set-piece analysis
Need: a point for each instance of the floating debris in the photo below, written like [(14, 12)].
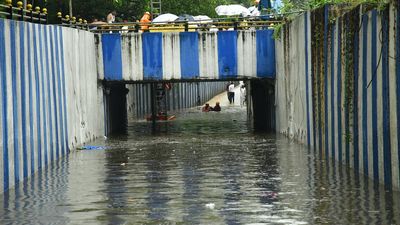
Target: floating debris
[(210, 205), (90, 147)]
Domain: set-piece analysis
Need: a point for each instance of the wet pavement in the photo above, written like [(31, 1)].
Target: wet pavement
[(202, 168)]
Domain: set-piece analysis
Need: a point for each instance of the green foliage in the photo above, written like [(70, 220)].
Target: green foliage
[(134, 9), (277, 30), (99, 9), (192, 7), (301, 5)]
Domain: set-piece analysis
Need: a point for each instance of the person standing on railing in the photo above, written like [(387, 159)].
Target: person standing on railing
[(144, 20)]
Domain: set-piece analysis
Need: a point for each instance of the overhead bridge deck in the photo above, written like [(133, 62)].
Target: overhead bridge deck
[(187, 56)]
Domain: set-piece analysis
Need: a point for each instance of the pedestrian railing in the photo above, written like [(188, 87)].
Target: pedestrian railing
[(38, 15), (72, 22), (180, 26), (19, 13)]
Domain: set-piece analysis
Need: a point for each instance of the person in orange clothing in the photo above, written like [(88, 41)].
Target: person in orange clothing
[(145, 19)]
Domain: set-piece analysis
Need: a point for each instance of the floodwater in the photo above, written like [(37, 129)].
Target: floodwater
[(203, 168)]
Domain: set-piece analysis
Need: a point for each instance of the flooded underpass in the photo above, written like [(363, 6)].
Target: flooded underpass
[(202, 168)]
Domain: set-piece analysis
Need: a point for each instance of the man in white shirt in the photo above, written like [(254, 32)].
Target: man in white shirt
[(231, 93), (242, 95)]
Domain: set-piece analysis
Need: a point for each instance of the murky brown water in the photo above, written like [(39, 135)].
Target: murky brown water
[(203, 168)]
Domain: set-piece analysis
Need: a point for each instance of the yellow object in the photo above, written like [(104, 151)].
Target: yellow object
[(44, 11), (59, 15), (9, 2), (85, 21), (172, 28), (37, 9), (20, 4), (80, 20), (29, 7), (67, 17)]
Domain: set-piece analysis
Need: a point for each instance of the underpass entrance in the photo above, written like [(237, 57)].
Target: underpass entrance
[(156, 102)]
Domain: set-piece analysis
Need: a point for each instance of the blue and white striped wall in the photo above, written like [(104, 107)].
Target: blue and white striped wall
[(188, 55), (314, 112), (36, 96)]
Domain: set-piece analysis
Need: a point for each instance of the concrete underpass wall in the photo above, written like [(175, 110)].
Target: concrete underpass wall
[(84, 93), (290, 82), (338, 87), (181, 96), (49, 99)]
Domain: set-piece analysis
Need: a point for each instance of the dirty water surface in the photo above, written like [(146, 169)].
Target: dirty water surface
[(202, 168)]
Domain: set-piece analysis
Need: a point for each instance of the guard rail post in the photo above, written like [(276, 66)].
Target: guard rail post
[(30, 12), (59, 18), (21, 12), (186, 26), (43, 15), (10, 9), (137, 27)]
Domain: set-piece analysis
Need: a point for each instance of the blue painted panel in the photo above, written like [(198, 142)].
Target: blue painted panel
[(152, 56), (112, 56), (189, 49), (43, 91), (374, 34), (3, 85), (339, 89), (326, 147), (398, 80), (64, 112), (364, 93), (31, 86), (356, 160), (265, 53), (387, 156), (14, 99), (333, 133), (37, 90), (55, 106), (346, 106), (23, 97), (47, 101), (58, 101), (307, 74), (227, 54)]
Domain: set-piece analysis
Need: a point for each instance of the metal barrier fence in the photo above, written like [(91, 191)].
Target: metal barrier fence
[(38, 15), (19, 13), (172, 26)]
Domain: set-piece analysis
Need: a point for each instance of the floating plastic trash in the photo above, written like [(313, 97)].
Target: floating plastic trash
[(210, 205), (90, 147)]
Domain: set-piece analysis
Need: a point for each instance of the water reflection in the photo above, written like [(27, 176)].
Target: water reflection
[(192, 175), (157, 182), (231, 172), (116, 180), (203, 168)]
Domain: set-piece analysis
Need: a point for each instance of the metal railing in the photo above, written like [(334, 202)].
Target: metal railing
[(19, 13), (177, 26), (38, 15), (72, 22), (180, 26)]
